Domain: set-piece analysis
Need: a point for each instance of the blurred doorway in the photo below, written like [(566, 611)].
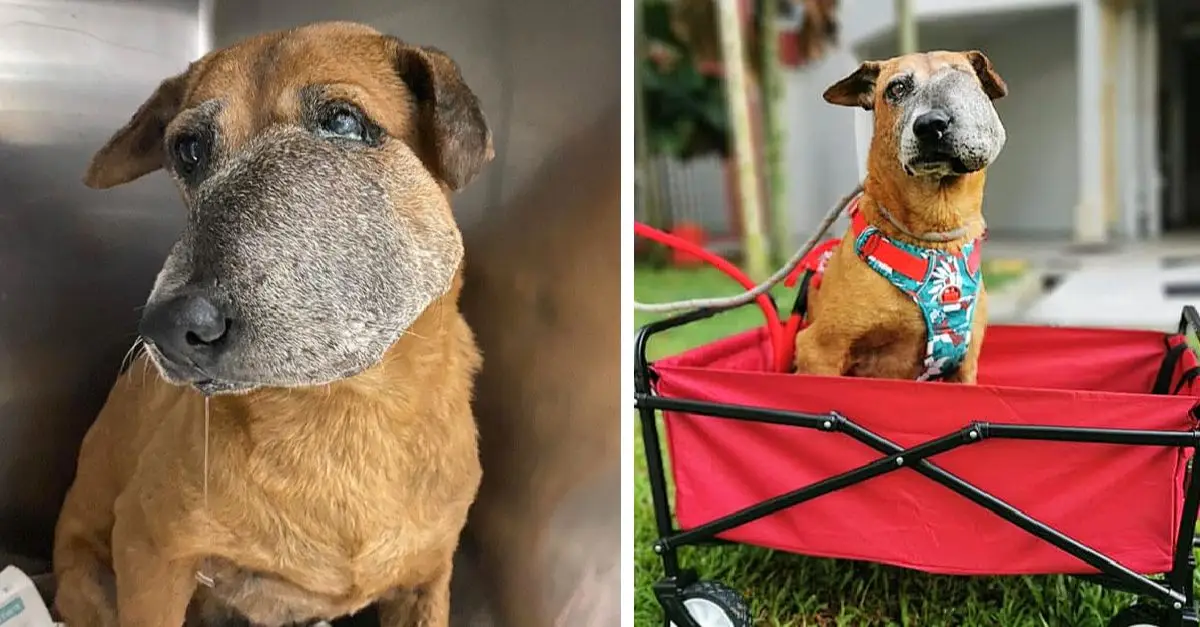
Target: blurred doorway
[(1179, 97)]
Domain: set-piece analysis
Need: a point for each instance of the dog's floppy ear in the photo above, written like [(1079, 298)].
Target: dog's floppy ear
[(453, 127), (856, 90), (137, 148), (993, 85)]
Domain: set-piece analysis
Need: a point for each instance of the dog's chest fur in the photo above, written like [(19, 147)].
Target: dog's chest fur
[(892, 338), (319, 503), (319, 524)]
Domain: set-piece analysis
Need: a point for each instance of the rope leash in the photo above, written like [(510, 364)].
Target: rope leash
[(762, 288)]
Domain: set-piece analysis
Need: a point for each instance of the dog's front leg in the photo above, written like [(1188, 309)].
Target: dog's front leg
[(426, 606), (85, 594), (153, 590), (820, 352)]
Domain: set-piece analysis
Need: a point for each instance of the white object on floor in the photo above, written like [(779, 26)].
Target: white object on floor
[(20, 603)]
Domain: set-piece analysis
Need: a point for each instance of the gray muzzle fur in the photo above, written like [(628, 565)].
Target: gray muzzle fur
[(948, 127)]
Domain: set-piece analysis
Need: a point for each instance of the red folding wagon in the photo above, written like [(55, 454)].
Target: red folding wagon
[(1072, 455)]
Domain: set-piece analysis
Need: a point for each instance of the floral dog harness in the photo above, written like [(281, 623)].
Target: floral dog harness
[(944, 285)]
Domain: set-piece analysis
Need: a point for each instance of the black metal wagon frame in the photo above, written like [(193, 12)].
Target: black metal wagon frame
[(1170, 601)]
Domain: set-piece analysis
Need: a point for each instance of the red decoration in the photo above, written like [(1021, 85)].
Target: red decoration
[(692, 233), (789, 48)]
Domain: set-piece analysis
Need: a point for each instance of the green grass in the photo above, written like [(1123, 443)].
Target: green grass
[(792, 590)]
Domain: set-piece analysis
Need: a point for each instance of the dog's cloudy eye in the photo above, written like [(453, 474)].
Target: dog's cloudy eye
[(190, 151), (897, 90), (344, 124)]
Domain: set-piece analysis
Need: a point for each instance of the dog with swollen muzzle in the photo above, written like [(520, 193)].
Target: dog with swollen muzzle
[(296, 442), (902, 296)]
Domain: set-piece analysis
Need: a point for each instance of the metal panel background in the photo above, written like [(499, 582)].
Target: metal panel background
[(75, 264)]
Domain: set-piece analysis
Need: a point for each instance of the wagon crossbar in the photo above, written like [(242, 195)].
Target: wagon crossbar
[(1177, 593), (916, 457)]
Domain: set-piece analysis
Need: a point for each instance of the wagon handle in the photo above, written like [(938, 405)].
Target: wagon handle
[(1189, 319), (779, 346)]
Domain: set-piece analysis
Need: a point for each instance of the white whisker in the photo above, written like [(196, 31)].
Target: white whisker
[(130, 355), (145, 369), (416, 335)]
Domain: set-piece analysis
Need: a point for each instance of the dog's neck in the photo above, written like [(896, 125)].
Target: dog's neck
[(397, 389), (929, 212)]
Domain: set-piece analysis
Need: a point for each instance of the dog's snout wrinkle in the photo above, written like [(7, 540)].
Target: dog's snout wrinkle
[(188, 328), (932, 125)]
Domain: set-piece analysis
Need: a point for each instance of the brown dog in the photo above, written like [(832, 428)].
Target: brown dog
[(902, 296), (313, 295)]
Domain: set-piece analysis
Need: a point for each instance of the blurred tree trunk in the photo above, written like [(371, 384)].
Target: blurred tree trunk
[(772, 94), (906, 27), (647, 175), (755, 249), (811, 30)]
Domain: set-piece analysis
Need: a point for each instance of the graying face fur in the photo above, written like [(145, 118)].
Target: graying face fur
[(298, 242), (937, 105), (315, 242), (946, 125)]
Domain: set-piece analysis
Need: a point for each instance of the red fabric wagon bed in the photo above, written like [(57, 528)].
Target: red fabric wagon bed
[(1124, 501)]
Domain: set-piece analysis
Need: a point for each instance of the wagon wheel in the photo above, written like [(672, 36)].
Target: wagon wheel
[(713, 604), (1140, 615)]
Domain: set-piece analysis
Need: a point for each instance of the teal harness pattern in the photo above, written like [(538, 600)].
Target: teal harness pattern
[(944, 285)]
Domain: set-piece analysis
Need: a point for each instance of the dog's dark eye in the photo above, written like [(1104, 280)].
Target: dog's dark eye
[(897, 90), (190, 152), (344, 124)]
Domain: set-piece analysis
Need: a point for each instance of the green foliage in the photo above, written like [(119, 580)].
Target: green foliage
[(685, 110)]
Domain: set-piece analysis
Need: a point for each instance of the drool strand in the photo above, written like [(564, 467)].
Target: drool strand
[(204, 579), (207, 400)]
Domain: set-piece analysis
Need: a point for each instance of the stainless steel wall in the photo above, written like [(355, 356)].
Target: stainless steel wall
[(75, 264)]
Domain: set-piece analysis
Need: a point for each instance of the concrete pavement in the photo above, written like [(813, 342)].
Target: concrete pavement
[(1143, 286)]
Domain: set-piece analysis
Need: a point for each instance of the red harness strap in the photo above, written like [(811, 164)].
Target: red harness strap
[(880, 247), (904, 262), (812, 262), (884, 251)]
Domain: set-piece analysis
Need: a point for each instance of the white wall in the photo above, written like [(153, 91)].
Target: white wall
[(868, 19), (820, 158), (1033, 187)]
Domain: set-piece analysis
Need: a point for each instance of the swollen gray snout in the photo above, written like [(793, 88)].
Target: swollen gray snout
[(312, 257), (951, 127)]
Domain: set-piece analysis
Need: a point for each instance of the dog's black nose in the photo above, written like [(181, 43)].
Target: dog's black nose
[(187, 328), (931, 125)]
